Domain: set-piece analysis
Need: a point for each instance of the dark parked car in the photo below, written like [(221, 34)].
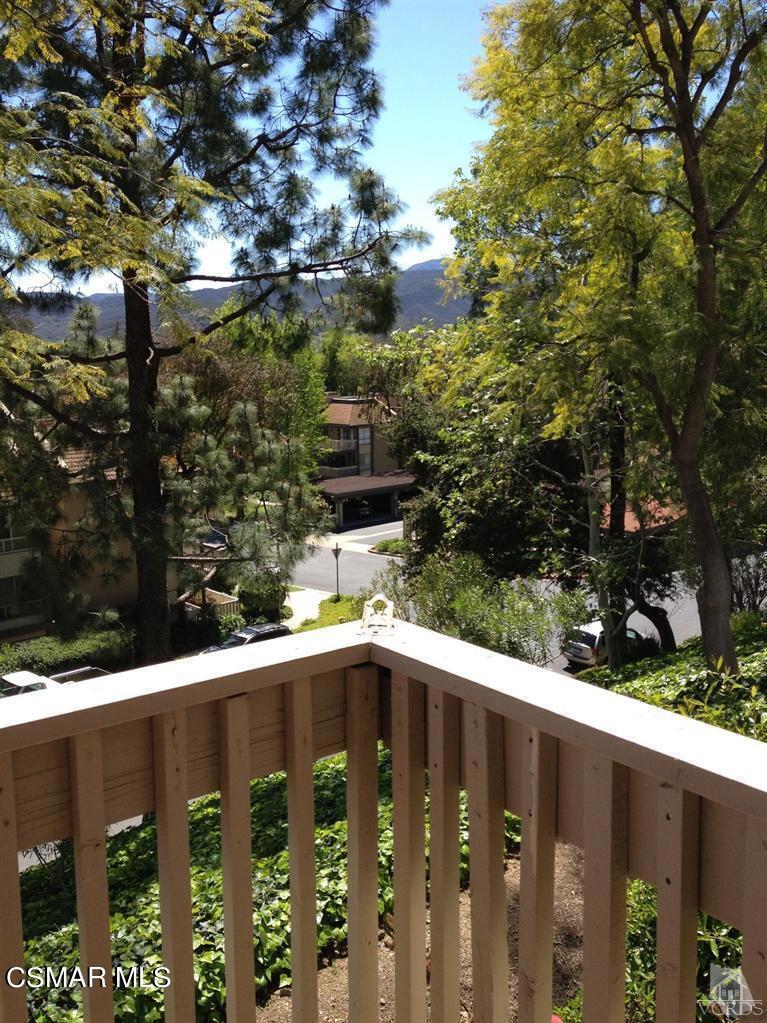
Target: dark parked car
[(250, 634)]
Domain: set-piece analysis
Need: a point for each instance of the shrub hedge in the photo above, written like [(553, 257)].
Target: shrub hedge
[(111, 649)]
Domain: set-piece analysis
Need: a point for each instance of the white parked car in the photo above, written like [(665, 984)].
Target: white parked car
[(586, 648), (16, 683)]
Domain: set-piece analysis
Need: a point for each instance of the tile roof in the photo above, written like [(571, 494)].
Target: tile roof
[(79, 465), (354, 412), (655, 515)]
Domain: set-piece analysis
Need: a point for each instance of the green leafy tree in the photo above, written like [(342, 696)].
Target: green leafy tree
[(457, 595), (132, 129), (626, 176)]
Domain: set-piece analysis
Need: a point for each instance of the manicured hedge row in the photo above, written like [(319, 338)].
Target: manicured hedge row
[(111, 649)]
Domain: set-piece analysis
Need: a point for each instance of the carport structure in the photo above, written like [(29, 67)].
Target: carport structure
[(358, 500)]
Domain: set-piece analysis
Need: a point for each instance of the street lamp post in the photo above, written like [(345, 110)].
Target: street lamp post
[(336, 552)]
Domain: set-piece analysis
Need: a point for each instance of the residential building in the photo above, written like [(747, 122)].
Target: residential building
[(25, 608), (361, 480), (21, 608)]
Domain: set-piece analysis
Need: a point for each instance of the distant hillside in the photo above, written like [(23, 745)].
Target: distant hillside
[(418, 290)]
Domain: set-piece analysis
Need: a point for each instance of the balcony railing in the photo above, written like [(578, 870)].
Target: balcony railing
[(645, 793), (333, 472), (337, 444), (21, 609), (12, 544)]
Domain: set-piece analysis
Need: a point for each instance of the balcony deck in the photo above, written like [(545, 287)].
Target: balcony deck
[(643, 792)]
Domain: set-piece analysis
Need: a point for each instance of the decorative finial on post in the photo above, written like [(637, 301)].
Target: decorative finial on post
[(378, 615)]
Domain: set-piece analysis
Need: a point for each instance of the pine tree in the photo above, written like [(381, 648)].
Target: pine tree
[(134, 127)]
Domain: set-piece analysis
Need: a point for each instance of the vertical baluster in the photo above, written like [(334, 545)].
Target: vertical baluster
[(236, 857), (362, 845), (483, 733), (13, 1000), (755, 909), (89, 840), (299, 748), (605, 829), (409, 848), (444, 719), (677, 885), (536, 896), (173, 867)]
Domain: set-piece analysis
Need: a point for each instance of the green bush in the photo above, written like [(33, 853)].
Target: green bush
[(261, 597), (49, 906), (457, 595), (111, 649), (230, 623), (395, 547)]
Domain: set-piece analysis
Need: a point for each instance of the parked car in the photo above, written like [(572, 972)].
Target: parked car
[(80, 674), (16, 683), (250, 634), (586, 648)]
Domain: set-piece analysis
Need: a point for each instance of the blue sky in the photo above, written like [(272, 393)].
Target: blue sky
[(428, 128)]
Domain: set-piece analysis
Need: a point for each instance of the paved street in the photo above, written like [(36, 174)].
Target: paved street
[(356, 567)]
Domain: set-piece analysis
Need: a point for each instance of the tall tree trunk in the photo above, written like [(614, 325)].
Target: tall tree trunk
[(594, 505), (714, 594), (715, 591), (659, 618), (615, 625), (153, 634)]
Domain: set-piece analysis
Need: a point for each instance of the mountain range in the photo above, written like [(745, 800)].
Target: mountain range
[(419, 293)]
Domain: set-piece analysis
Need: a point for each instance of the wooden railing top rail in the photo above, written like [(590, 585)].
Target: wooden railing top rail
[(709, 761), (700, 758), (97, 703)]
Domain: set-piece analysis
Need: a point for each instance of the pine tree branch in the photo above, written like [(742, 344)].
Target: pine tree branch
[(61, 417), (295, 270)]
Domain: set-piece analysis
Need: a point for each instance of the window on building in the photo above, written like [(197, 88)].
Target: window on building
[(12, 537), (17, 599), (363, 435), (364, 465)]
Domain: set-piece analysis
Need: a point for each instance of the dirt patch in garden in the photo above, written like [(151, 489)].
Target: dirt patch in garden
[(568, 912)]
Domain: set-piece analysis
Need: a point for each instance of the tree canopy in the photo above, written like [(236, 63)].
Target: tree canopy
[(616, 220), (130, 132)]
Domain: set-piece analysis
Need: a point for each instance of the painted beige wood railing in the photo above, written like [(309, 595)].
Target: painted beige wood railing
[(643, 792)]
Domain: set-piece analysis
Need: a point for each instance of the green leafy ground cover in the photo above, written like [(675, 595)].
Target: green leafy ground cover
[(333, 611), (49, 904)]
